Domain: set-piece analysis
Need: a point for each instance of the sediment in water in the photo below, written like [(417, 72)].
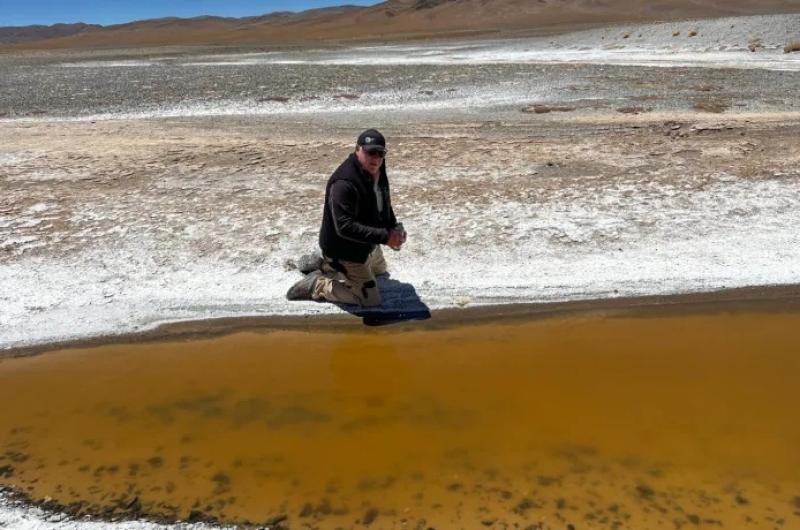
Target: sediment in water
[(613, 422)]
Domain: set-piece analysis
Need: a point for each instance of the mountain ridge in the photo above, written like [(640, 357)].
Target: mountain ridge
[(14, 34), (386, 21)]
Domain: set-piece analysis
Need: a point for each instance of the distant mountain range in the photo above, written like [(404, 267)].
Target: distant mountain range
[(28, 33), (389, 20)]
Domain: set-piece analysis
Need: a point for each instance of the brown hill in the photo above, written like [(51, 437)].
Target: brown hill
[(402, 19)]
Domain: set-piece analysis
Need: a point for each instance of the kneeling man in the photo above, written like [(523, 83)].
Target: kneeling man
[(357, 219)]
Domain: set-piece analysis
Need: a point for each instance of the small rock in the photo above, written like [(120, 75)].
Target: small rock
[(741, 500), (134, 506), (545, 109), (195, 516), (369, 516), (277, 99), (645, 491), (633, 110), (324, 508), (524, 505), (278, 519)]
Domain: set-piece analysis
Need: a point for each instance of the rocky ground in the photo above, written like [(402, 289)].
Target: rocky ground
[(755, 34)]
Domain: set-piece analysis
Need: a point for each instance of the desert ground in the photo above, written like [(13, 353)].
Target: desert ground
[(147, 186)]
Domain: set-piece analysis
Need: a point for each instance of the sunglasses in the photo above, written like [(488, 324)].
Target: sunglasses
[(376, 153)]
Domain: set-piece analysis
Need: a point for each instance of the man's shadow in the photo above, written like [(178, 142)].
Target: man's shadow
[(400, 303)]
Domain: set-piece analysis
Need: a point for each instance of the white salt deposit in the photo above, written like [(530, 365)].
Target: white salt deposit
[(108, 64), (15, 517), (390, 100), (585, 239), (19, 242), (39, 207)]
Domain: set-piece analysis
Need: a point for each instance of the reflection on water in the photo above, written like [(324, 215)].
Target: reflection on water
[(590, 422)]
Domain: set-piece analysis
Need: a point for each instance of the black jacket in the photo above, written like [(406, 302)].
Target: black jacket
[(351, 224)]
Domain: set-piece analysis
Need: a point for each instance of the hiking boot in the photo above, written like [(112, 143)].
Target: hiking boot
[(309, 262), (303, 289)]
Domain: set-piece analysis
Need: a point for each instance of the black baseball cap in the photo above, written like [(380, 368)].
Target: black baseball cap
[(371, 140)]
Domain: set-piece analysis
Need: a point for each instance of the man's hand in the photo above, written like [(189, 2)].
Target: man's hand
[(396, 239)]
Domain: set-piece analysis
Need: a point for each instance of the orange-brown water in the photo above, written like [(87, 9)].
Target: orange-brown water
[(641, 423)]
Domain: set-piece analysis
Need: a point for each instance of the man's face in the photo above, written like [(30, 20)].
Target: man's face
[(370, 160)]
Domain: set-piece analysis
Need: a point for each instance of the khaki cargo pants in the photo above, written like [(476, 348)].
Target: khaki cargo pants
[(349, 282)]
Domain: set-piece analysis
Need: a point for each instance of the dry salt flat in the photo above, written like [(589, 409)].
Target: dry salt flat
[(125, 220), (192, 208), (733, 42), (491, 221)]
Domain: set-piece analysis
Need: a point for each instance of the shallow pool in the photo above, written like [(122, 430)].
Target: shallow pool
[(590, 421)]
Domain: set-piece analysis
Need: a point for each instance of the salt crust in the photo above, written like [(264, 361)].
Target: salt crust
[(587, 239), (16, 517)]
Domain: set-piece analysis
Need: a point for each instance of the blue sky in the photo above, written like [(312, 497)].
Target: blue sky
[(27, 12)]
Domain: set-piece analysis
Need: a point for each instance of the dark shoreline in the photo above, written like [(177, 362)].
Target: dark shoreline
[(775, 298), (125, 510)]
